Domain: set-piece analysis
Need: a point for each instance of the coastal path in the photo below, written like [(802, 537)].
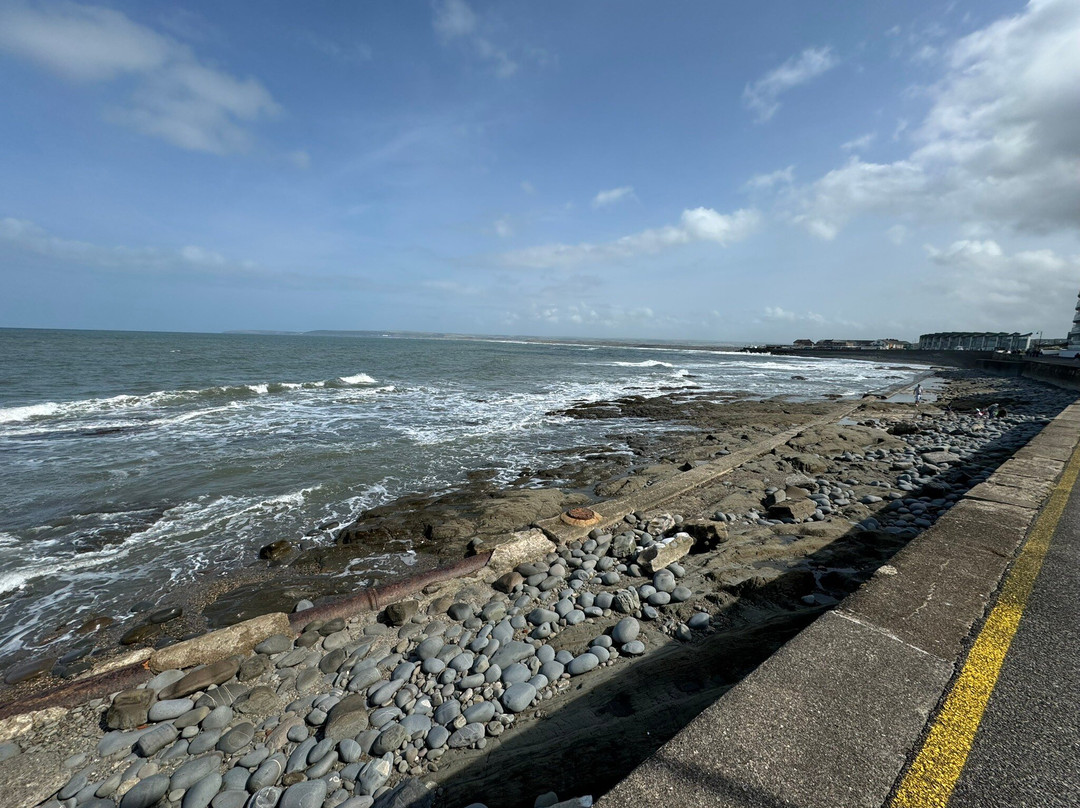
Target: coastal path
[(1008, 733)]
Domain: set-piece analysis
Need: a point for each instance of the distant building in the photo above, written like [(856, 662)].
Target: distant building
[(803, 343), (891, 344), (1074, 334), (975, 341)]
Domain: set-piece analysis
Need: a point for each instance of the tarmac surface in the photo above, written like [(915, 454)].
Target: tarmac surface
[(1027, 748)]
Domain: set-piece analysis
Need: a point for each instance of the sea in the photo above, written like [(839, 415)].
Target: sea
[(135, 464)]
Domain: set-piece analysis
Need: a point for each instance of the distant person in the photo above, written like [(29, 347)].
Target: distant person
[(918, 394)]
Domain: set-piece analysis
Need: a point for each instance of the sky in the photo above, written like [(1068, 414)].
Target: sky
[(698, 170)]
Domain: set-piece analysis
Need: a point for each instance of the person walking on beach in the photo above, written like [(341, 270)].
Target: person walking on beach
[(918, 394)]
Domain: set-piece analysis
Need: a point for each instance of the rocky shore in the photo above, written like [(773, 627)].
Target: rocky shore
[(552, 672)]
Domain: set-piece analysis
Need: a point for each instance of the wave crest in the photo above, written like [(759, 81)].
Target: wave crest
[(52, 409)]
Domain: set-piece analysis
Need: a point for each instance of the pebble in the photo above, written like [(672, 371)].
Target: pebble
[(699, 621), (481, 712), (204, 741), (625, 630), (146, 792), (518, 697), (466, 736), (582, 664), (372, 776), (437, 736), (200, 793), (191, 771), (309, 794), (390, 739), (218, 718), (268, 774), (237, 738), (155, 740)]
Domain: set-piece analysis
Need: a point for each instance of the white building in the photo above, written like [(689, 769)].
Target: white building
[(977, 341), (1074, 334)]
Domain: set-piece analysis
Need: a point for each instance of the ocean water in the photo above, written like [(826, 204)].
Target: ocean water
[(132, 464)]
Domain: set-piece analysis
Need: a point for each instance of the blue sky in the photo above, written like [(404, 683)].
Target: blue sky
[(699, 170)]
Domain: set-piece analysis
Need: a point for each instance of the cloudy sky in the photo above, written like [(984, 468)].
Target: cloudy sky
[(704, 170)]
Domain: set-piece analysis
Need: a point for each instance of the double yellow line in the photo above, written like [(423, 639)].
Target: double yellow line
[(932, 776)]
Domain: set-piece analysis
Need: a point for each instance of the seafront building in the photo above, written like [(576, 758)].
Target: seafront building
[(1074, 334), (977, 341)]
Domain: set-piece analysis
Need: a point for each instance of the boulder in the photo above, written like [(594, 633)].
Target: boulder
[(659, 555), (276, 550), (222, 644), (398, 614), (793, 509), (130, 709), (214, 674)]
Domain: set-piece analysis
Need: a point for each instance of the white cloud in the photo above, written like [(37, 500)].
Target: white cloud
[(698, 224), (605, 198), (860, 143), (177, 97), (455, 20), (25, 236), (762, 96), (996, 290), (776, 313), (603, 315), (82, 43), (503, 228), (782, 176), (1000, 143), (897, 234)]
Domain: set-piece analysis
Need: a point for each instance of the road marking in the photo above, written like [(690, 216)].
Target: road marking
[(930, 780)]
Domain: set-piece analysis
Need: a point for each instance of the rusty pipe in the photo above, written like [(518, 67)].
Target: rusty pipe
[(374, 598), (369, 599), (71, 694)]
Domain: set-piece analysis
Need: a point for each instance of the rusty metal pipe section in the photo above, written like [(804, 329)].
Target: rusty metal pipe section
[(370, 599), (374, 598), (72, 694)]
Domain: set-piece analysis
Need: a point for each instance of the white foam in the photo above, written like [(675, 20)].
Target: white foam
[(648, 363), (359, 378), (10, 414)]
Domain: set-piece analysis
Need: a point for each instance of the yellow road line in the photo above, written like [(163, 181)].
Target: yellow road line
[(930, 780)]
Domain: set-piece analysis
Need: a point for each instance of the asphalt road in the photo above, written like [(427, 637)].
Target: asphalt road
[(1027, 748)]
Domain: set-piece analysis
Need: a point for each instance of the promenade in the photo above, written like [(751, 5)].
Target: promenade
[(949, 679)]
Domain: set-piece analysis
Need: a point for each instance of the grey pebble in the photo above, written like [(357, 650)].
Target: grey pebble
[(625, 630), (268, 774), (582, 664), (191, 771), (466, 736), (267, 797), (699, 621), (218, 718), (437, 736), (203, 791), (146, 792), (518, 697), (237, 738), (156, 739)]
